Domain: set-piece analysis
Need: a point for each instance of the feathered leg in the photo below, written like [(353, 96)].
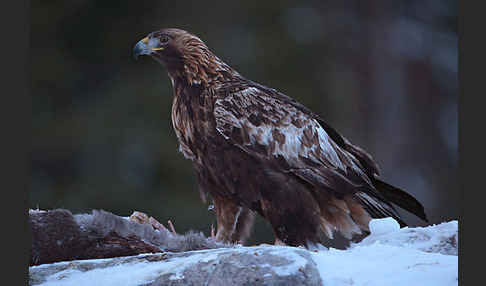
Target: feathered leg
[(234, 222)]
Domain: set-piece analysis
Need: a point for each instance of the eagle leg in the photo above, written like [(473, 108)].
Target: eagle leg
[(279, 242), (234, 221)]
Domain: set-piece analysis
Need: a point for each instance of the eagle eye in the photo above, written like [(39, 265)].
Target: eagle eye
[(164, 39)]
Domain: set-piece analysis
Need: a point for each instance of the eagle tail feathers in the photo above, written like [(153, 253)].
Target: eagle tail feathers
[(400, 198), (378, 208)]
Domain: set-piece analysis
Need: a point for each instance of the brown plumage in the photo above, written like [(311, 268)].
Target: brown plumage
[(256, 150)]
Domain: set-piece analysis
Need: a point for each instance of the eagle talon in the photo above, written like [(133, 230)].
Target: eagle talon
[(171, 227), (211, 207)]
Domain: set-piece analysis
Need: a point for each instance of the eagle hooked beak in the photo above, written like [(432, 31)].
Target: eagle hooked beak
[(146, 46)]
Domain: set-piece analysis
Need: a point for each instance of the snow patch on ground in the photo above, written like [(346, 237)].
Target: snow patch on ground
[(380, 264), (127, 274), (391, 256), (441, 238)]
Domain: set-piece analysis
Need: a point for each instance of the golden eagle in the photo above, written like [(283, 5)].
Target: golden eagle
[(256, 150)]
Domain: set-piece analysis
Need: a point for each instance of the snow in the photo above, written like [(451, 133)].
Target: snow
[(435, 238), (128, 274), (298, 262), (383, 225), (388, 256), (393, 256), (380, 264)]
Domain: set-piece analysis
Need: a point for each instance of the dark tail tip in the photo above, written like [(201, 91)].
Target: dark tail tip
[(400, 198)]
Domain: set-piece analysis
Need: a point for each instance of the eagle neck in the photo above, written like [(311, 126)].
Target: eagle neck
[(206, 71)]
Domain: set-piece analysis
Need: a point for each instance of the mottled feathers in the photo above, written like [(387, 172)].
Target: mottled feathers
[(255, 149)]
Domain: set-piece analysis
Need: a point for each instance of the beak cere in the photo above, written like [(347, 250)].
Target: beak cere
[(146, 46)]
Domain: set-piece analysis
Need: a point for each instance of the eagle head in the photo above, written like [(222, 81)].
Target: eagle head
[(168, 45), (185, 56)]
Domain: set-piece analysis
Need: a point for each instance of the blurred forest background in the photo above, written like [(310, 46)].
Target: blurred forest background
[(383, 73)]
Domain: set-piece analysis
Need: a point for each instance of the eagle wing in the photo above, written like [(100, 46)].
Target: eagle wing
[(276, 129)]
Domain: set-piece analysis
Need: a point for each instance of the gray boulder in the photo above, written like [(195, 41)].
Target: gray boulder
[(261, 265)]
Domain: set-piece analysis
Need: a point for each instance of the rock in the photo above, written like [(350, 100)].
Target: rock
[(261, 265), (406, 256)]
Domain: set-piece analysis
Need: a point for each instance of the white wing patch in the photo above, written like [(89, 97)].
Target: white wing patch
[(326, 146), (302, 136)]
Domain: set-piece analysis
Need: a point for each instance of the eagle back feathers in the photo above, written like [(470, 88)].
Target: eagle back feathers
[(263, 123)]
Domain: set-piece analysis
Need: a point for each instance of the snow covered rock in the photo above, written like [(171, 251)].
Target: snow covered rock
[(388, 256), (262, 265)]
